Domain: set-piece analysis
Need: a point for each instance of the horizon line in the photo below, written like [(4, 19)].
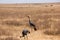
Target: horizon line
[(30, 3)]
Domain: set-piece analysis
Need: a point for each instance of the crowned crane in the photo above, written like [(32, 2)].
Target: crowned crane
[(31, 24), (24, 33)]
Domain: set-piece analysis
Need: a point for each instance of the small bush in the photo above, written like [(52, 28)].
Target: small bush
[(51, 5)]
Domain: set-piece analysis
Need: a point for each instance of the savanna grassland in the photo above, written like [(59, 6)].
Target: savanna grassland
[(46, 17)]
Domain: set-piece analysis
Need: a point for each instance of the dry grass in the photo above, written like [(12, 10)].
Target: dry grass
[(5, 32), (12, 23), (9, 38), (46, 17)]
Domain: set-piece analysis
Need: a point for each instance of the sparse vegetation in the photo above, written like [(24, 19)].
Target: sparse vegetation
[(9, 38), (13, 20), (12, 23), (52, 32), (5, 32)]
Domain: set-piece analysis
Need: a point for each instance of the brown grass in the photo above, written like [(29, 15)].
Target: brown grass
[(9, 38), (46, 17), (12, 23), (5, 32)]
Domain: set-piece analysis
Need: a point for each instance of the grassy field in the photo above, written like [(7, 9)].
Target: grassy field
[(13, 19)]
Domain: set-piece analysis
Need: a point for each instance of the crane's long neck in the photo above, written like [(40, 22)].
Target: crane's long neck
[(29, 20)]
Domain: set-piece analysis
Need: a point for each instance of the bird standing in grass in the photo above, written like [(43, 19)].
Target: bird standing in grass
[(24, 33), (31, 24)]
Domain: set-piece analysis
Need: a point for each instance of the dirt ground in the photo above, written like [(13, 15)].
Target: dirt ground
[(46, 17)]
